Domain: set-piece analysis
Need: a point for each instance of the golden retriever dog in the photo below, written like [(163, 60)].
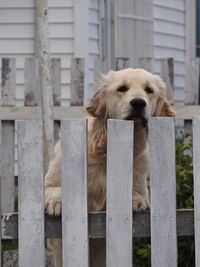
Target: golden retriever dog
[(129, 94)]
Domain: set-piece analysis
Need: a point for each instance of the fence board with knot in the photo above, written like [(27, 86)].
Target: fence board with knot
[(118, 224)]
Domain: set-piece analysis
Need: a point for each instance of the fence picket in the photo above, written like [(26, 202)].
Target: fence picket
[(31, 194), (146, 63), (77, 81), (56, 87), (122, 63), (32, 82), (163, 192), (8, 136), (74, 198), (119, 194), (167, 74), (196, 168)]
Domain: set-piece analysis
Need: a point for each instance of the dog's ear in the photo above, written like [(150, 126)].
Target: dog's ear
[(97, 105), (163, 108)]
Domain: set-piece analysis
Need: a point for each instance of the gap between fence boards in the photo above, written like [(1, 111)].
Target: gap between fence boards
[(97, 225)]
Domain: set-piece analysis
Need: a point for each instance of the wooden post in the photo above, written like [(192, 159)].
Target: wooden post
[(100, 68), (74, 199), (163, 192), (31, 194), (56, 86), (192, 81), (42, 47), (77, 81), (121, 63), (191, 86), (146, 63), (167, 74), (8, 137), (196, 169), (119, 194)]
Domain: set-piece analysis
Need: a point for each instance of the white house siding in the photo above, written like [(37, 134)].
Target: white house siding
[(170, 39), (17, 32), (133, 30)]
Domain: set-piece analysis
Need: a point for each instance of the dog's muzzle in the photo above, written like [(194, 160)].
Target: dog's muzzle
[(137, 112)]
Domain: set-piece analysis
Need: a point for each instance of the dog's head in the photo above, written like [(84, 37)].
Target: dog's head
[(130, 94)]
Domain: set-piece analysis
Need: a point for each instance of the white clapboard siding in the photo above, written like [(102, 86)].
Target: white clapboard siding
[(17, 31), (31, 194), (169, 39), (74, 193), (119, 194), (163, 192), (133, 30), (196, 168)]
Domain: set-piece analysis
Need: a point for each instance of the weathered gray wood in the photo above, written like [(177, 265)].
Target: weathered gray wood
[(8, 81), (77, 81), (59, 113), (119, 194), (196, 168), (32, 82), (100, 68), (192, 81), (167, 74), (74, 199), (163, 192), (31, 194), (146, 63), (7, 166), (8, 135), (97, 225), (56, 86), (121, 63), (56, 80), (42, 48), (10, 258)]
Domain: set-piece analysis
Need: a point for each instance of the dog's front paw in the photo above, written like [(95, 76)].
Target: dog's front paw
[(53, 201), (140, 203)]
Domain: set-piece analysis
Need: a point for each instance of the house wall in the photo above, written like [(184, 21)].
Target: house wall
[(17, 33), (169, 39)]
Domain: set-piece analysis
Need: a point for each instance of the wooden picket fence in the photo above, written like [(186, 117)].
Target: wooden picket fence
[(118, 225)]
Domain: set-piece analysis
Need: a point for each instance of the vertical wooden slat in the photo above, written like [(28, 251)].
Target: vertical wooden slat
[(196, 168), (100, 67), (56, 80), (163, 192), (119, 194), (8, 137), (121, 63), (0, 203), (192, 81), (74, 193), (146, 63), (56, 86), (167, 74), (32, 82), (31, 194), (77, 81)]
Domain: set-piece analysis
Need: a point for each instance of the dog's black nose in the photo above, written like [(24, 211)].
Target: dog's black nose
[(138, 103)]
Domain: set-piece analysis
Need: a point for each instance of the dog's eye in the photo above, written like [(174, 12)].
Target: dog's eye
[(148, 90), (123, 88)]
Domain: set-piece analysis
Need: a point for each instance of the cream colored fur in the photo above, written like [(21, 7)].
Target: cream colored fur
[(111, 102), (107, 103)]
